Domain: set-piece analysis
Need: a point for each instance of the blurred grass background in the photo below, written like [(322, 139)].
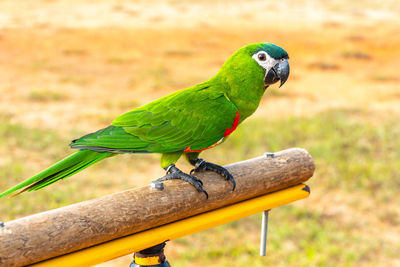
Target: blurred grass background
[(69, 67)]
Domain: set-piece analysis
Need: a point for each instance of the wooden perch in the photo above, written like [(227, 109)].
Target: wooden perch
[(60, 231)]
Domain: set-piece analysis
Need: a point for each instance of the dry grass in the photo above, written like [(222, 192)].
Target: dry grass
[(68, 68)]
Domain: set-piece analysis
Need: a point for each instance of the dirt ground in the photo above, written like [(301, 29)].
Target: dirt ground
[(88, 53), (72, 66)]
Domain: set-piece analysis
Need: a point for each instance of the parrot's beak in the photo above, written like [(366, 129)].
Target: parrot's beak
[(278, 72)]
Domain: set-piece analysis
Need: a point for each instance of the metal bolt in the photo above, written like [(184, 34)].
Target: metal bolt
[(157, 185), (269, 155)]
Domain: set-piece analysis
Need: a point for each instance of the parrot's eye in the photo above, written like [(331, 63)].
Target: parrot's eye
[(262, 56)]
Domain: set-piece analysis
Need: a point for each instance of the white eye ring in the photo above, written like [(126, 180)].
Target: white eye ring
[(264, 60)]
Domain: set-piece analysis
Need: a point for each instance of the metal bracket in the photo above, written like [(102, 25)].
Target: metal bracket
[(264, 230)]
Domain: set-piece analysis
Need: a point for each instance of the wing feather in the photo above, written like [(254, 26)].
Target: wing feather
[(195, 117)]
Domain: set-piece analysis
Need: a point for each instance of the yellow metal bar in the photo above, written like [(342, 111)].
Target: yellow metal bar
[(139, 241)]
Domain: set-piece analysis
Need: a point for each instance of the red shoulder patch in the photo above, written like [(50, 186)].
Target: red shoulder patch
[(234, 125)]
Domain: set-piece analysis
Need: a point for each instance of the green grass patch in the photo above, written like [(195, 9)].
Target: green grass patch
[(45, 95), (15, 136), (77, 79)]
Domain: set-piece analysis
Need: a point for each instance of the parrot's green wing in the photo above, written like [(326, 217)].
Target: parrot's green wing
[(194, 118)]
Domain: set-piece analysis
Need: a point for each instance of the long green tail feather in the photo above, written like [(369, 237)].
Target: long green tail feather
[(60, 170)]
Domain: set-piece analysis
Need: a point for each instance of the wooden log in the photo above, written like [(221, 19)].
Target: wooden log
[(63, 230)]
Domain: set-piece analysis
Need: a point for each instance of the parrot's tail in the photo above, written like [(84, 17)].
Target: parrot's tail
[(60, 170)]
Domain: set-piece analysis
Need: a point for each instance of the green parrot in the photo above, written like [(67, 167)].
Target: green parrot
[(183, 123)]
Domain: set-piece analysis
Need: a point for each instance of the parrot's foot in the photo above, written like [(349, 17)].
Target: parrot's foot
[(202, 165), (175, 173)]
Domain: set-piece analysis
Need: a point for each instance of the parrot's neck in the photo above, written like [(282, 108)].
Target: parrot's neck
[(245, 90)]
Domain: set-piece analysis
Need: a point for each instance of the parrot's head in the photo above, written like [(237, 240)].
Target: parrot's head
[(273, 60), (249, 71), (256, 65)]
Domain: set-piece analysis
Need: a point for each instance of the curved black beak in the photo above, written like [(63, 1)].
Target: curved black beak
[(278, 72)]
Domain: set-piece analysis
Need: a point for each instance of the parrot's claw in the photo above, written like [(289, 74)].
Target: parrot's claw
[(174, 173), (202, 165)]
